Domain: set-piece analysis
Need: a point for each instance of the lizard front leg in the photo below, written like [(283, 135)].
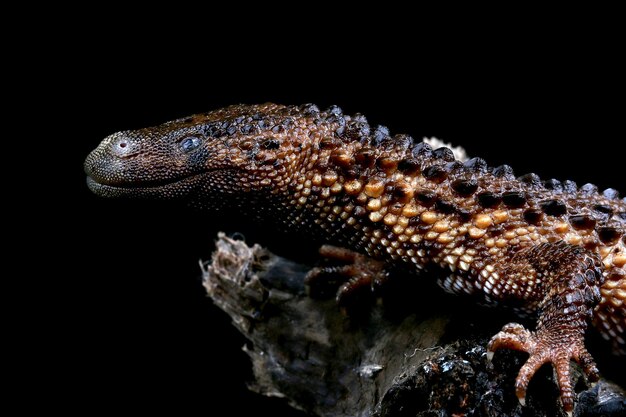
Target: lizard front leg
[(563, 282), (358, 273)]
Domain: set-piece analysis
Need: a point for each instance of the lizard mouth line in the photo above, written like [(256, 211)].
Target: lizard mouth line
[(103, 188), (141, 184)]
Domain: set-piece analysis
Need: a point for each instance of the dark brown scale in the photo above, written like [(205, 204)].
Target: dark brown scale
[(570, 187), (590, 296), (582, 222), (345, 199), (445, 207), (359, 211), (455, 168), (271, 144), (604, 209), (531, 179), (352, 171), (415, 221), (266, 123), (435, 173), (504, 172), (514, 199), (402, 142), (464, 214), (426, 197), (476, 165), (322, 165), (366, 157), (213, 130), (308, 109), (422, 150), (389, 143), (445, 154), (396, 207), (465, 188), (616, 275), (409, 166), (554, 185), (578, 281), (553, 207), (496, 230), (488, 199), (609, 235), (231, 130), (533, 216), (246, 129)]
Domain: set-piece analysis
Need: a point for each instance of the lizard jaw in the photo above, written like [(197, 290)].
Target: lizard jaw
[(174, 189)]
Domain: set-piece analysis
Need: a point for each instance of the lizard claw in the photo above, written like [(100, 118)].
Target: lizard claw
[(355, 280), (543, 347)]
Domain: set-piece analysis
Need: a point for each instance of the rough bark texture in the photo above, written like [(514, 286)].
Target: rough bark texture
[(427, 363)]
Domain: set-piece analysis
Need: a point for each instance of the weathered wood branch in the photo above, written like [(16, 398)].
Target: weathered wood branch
[(323, 362)]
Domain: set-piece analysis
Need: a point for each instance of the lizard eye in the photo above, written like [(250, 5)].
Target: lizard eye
[(190, 143)]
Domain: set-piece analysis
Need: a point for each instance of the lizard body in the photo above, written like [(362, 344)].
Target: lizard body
[(548, 247)]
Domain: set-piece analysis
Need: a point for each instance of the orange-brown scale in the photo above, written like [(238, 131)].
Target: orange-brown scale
[(410, 208), (394, 199)]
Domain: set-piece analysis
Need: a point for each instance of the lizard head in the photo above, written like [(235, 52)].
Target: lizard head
[(227, 152)]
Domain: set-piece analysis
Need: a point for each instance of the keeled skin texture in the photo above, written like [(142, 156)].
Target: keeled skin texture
[(545, 247)]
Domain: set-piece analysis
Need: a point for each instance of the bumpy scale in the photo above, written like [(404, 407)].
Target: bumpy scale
[(551, 247)]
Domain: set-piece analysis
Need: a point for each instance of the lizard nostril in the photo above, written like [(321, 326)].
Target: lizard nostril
[(122, 144)]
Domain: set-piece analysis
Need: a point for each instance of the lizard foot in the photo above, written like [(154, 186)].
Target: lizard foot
[(355, 280), (557, 348)]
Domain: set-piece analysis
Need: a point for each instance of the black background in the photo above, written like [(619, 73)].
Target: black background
[(133, 327)]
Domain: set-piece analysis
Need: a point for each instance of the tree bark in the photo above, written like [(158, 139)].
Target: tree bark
[(427, 363)]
